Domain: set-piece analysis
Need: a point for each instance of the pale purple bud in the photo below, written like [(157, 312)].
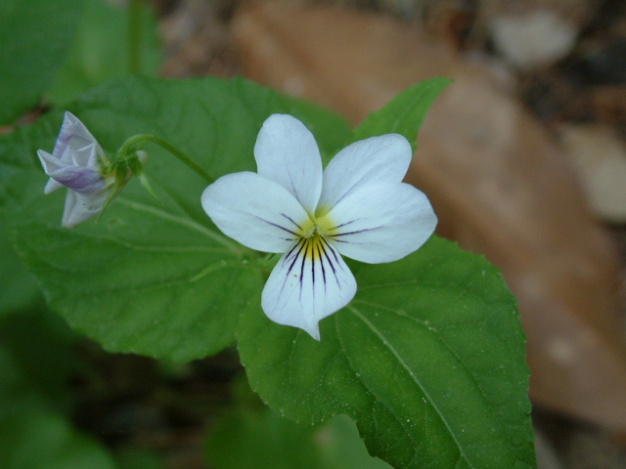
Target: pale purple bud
[(75, 164)]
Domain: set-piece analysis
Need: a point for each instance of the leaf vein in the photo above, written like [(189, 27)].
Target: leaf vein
[(181, 221), (414, 378), (414, 444)]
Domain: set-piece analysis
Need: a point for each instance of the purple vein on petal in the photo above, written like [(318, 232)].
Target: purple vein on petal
[(276, 225), (346, 223), (292, 221), (313, 246), (364, 230), (299, 245), (301, 279), (330, 262), (320, 253)]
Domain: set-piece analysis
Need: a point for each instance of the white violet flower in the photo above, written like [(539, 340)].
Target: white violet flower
[(78, 163), (357, 207)]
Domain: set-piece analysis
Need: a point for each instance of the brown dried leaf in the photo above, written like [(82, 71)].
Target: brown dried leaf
[(496, 180), (600, 158)]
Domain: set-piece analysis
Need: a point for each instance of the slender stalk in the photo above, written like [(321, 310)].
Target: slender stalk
[(137, 139), (134, 37)]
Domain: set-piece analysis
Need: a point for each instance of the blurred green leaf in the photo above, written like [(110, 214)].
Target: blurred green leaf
[(16, 394), (100, 51), (341, 447), (258, 438), (35, 359), (39, 438), (34, 38), (41, 344), (20, 289), (158, 280), (133, 458)]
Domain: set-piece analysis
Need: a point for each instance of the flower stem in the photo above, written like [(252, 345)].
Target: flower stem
[(134, 37), (126, 148)]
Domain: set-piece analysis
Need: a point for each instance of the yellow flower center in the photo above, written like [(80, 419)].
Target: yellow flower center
[(313, 232)]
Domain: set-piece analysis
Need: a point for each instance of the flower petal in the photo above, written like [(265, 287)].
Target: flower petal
[(81, 207), (377, 159), (381, 222), (255, 211), (75, 144), (80, 179), (286, 152), (311, 281), (50, 164)]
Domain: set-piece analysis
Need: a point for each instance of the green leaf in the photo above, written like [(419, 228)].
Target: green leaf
[(134, 458), (100, 51), (248, 438), (341, 446), (34, 361), (405, 113), (16, 394), (40, 344), (428, 359), (20, 288), (40, 438), (150, 278), (35, 36)]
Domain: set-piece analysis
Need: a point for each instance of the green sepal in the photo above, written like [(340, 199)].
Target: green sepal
[(147, 186)]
